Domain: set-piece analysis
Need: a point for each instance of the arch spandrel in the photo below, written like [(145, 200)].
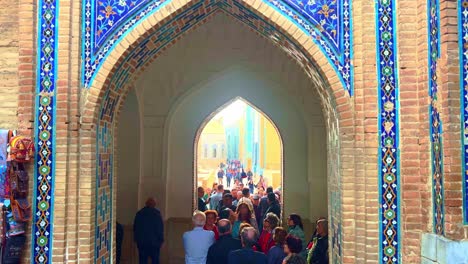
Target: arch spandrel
[(326, 22)]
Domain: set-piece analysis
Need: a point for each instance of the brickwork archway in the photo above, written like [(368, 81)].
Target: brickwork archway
[(100, 108)]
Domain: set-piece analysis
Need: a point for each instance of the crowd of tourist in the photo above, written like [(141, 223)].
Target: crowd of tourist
[(232, 226), (234, 171)]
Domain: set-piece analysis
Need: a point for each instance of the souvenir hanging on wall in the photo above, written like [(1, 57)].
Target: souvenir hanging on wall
[(21, 149), (4, 186)]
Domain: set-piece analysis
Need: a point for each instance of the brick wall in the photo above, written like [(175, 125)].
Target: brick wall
[(357, 128), (9, 47)]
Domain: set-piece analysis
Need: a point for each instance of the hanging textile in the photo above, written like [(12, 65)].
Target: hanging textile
[(3, 164)]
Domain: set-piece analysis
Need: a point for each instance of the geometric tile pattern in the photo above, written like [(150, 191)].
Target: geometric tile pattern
[(435, 123), (154, 43), (328, 23), (44, 169), (463, 51), (389, 162)]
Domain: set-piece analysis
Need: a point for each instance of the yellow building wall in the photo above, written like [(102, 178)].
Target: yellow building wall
[(269, 148), (212, 134)]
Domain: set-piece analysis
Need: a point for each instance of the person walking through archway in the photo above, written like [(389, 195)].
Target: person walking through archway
[(198, 241), (247, 255), (148, 231)]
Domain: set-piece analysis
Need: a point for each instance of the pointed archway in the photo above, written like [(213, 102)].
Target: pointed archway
[(238, 137), (102, 104)]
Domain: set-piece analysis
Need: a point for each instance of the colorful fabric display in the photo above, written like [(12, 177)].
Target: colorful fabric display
[(4, 186)]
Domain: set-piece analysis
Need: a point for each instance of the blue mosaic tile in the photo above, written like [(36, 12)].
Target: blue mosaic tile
[(463, 50), (389, 160), (328, 22), (434, 119), (339, 53), (44, 171)]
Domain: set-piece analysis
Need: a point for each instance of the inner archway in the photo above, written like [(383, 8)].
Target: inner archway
[(239, 147)]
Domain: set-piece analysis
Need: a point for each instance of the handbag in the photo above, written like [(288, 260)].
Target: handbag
[(21, 209), (13, 249), (19, 181)]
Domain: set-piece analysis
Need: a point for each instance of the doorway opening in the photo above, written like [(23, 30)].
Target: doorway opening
[(238, 146)]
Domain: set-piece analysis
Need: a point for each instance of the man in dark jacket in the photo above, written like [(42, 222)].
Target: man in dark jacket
[(264, 202), (247, 255), (201, 201), (274, 206), (148, 232), (218, 252)]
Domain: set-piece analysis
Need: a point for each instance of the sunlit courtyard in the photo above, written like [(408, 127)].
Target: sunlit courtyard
[(239, 145)]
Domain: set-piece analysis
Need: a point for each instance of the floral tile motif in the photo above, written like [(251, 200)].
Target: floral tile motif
[(434, 118), (109, 13), (328, 22), (117, 19), (337, 49), (44, 133), (389, 164), (323, 15), (463, 50)]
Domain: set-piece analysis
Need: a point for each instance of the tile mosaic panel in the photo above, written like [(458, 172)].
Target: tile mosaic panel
[(317, 19), (434, 117), (44, 171), (389, 162), (463, 50), (139, 56), (106, 22)]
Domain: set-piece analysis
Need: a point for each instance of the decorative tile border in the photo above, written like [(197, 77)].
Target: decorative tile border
[(389, 160), (328, 22), (44, 169), (463, 50), (433, 16)]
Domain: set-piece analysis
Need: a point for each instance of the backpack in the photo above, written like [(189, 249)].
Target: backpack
[(21, 149)]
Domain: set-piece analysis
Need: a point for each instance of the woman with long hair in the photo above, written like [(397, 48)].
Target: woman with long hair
[(245, 214), (296, 229)]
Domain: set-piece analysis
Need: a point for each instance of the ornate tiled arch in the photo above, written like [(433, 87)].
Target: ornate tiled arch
[(143, 46), (328, 23)]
